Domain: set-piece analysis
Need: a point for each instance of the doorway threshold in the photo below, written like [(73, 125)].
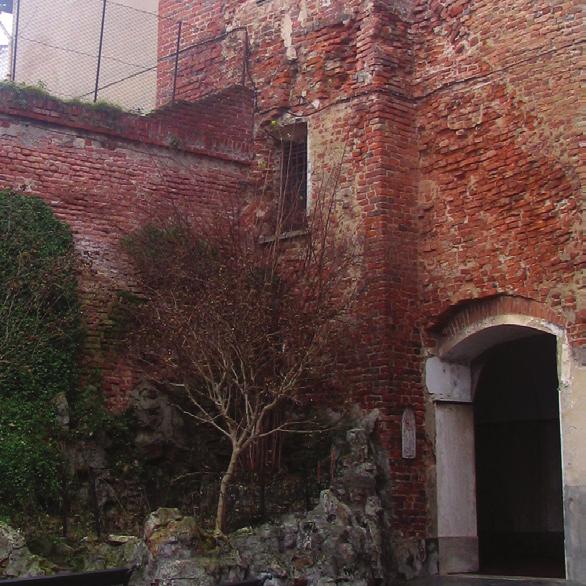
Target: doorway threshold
[(509, 578), (484, 580)]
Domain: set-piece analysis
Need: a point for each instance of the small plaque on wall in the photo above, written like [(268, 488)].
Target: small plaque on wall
[(408, 449)]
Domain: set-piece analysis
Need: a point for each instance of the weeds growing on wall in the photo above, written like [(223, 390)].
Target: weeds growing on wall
[(24, 91), (39, 341)]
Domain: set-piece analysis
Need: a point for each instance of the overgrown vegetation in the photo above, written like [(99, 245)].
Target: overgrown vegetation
[(23, 90), (245, 333), (241, 331), (39, 342), (49, 421)]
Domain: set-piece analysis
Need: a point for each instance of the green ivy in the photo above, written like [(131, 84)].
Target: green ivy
[(91, 419), (29, 455), (39, 342)]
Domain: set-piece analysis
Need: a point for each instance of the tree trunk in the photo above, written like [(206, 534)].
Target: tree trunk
[(224, 484)]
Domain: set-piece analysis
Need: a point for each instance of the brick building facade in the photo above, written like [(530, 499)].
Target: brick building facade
[(453, 125)]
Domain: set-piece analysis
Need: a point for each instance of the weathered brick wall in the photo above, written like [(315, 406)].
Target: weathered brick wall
[(301, 53), (452, 125), (499, 188), (345, 68), (200, 68), (498, 138), (105, 173), (459, 122), (218, 126)]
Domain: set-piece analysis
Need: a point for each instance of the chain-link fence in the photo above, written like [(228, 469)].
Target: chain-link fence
[(100, 50)]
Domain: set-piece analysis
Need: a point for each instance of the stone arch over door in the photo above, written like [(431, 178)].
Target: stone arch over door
[(451, 376)]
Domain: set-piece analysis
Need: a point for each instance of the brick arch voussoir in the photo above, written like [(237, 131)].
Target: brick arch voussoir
[(464, 315)]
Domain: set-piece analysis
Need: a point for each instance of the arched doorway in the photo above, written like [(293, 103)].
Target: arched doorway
[(473, 343), (518, 458)]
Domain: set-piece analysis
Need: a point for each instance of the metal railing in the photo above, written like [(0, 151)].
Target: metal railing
[(115, 577), (99, 50)]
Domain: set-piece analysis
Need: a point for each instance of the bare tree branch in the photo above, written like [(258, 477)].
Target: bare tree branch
[(239, 328)]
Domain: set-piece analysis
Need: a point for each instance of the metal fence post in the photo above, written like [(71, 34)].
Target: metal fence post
[(179, 24), (100, 51), (15, 41)]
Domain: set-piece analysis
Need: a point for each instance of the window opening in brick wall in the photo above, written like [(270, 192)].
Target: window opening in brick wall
[(293, 188)]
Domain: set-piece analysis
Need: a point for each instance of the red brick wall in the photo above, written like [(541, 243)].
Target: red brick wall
[(345, 68), (202, 68), (106, 173), (331, 44), (459, 122), (498, 138), (219, 126), (453, 124)]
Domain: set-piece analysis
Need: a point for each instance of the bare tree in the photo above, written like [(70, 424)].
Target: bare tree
[(243, 325)]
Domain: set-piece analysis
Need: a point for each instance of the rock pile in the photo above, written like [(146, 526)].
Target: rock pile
[(341, 541)]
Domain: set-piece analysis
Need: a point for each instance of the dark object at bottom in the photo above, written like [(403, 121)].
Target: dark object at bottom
[(117, 577), (256, 582)]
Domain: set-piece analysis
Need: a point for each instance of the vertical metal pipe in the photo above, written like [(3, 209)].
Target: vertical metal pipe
[(179, 25), (15, 41), (100, 51)]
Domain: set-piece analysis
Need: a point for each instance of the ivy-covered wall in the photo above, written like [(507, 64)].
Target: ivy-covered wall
[(39, 341), (104, 172)]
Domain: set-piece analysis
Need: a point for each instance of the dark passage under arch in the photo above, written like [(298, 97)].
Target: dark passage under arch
[(518, 459)]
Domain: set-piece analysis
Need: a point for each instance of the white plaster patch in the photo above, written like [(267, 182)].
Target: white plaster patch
[(12, 130), (408, 435), (302, 12), (287, 36), (448, 381)]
